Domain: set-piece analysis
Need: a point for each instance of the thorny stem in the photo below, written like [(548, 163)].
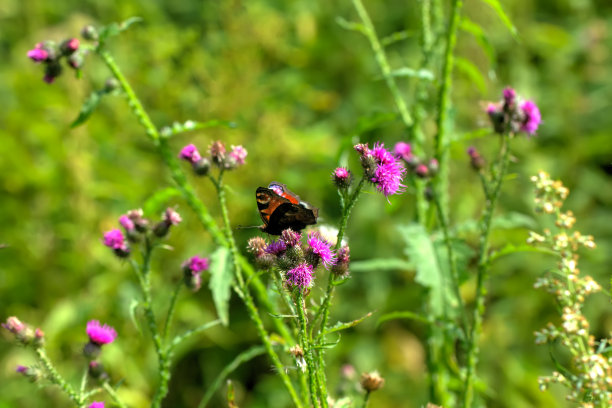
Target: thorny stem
[(170, 314), (442, 139), (306, 347), (483, 273), (57, 379)]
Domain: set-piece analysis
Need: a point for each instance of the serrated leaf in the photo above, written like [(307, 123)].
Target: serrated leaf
[(463, 253), (512, 249), (420, 250), (90, 104), (401, 315), (157, 203), (346, 325), (405, 72), (350, 25), (221, 277), (497, 7), (481, 38), (472, 72), (380, 264)]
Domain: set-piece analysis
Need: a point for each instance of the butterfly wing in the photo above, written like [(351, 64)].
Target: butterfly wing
[(280, 209)]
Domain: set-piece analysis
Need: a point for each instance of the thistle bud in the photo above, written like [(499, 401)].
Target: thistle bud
[(90, 33), (372, 381)]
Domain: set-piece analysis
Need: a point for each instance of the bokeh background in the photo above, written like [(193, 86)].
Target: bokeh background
[(298, 86)]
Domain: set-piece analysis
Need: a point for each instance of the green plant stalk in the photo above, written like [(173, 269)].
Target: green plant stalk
[(366, 398), (170, 313), (57, 379), (400, 103), (111, 391), (246, 294), (442, 139), (483, 274), (306, 347), (452, 261), (161, 143)]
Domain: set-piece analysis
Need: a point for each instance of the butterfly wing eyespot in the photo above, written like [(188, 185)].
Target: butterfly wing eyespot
[(280, 209)]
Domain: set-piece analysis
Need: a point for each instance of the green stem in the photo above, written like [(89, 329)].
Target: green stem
[(383, 63), (113, 394), (170, 313), (366, 398), (57, 379), (442, 139), (483, 274), (306, 347)]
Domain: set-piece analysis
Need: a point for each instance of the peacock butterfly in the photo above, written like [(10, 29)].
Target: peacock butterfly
[(280, 209)]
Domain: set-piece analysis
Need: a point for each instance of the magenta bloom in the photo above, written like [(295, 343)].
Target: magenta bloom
[(114, 239), (196, 264), (171, 216), (100, 334), (341, 173), (290, 238), (239, 154), (14, 325), (532, 117), (300, 276), (96, 404), (38, 54), (388, 178), (403, 150), (321, 247), (71, 45), (190, 153), (276, 247), (126, 222), (382, 155), (509, 96)]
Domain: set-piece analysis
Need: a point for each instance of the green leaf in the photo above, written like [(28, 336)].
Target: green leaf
[(380, 264), (157, 203), (401, 315), (405, 72), (463, 254), (396, 37), (227, 370), (190, 125), (90, 104), (346, 325), (481, 38), (114, 29), (512, 249), (350, 25), (134, 304), (422, 255), (497, 7), (472, 72), (221, 276)]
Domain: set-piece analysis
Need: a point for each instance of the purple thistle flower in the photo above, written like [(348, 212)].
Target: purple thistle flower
[(509, 96), (290, 237), (403, 150), (96, 404), (341, 173), (171, 216), (114, 239), (21, 369), (38, 54), (342, 177), (322, 249), (239, 154), (100, 334), (388, 178), (126, 222), (14, 325), (382, 155), (276, 247), (190, 153), (532, 117), (196, 264), (300, 276)]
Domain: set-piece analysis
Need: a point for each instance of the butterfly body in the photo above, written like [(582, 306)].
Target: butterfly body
[(280, 209)]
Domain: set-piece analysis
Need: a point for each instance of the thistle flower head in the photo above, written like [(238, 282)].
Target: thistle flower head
[(100, 334), (300, 276), (532, 117), (321, 249), (238, 154), (190, 153)]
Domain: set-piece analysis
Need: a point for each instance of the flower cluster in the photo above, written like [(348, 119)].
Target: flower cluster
[(422, 168), (135, 226), (296, 260), (514, 115), (217, 155), (24, 333), (382, 168), (50, 55), (192, 272), (592, 370)]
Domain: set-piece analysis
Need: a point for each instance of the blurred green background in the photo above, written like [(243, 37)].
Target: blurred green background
[(297, 85)]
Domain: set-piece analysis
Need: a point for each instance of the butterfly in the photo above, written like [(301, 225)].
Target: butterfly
[(280, 209)]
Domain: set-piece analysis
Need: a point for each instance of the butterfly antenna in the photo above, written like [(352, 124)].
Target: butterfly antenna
[(246, 227)]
